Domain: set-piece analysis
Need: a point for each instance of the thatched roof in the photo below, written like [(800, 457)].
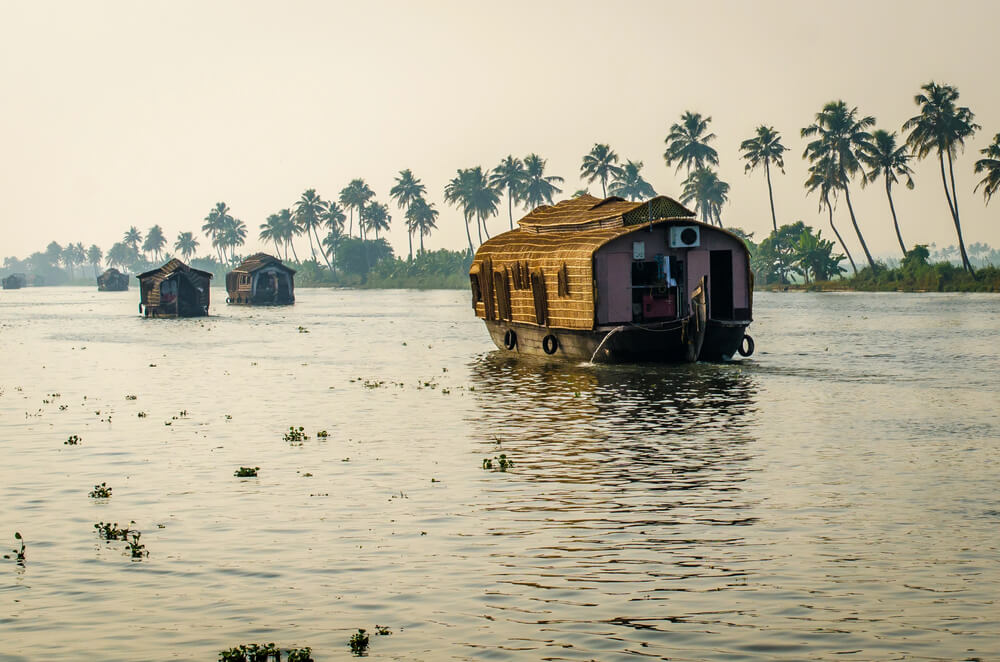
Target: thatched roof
[(261, 260), (170, 267), (589, 213)]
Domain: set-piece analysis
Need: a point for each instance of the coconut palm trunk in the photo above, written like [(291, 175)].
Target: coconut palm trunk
[(857, 230), (895, 221), (409, 239), (770, 195), (510, 207), (829, 207), (966, 263), (468, 235), (294, 254), (321, 251)]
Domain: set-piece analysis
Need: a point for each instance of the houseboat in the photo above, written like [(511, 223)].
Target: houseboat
[(112, 280), (174, 290), (615, 281), (261, 280), (15, 282)]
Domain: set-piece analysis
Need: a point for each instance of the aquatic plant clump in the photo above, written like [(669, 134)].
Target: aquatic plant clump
[(501, 463), (135, 548), (264, 653), (295, 434), (18, 553), (359, 642), (73, 440), (101, 491), (246, 472), (109, 531)]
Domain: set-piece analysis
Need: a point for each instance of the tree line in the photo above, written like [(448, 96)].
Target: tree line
[(843, 148)]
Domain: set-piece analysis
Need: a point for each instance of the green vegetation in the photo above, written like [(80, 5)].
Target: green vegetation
[(72, 441), (296, 434), (359, 642), (264, 653), (246, 472), (111, 531), (101, 491), (500, 463), (18, 553)]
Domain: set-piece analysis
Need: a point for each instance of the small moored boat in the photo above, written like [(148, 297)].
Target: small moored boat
[(15, 282), (617, 281), (112, 280)]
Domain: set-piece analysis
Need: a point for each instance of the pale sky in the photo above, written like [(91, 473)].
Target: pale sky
[(139, 113)]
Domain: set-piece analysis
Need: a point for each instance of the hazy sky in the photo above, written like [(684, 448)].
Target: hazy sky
[(140, 113)]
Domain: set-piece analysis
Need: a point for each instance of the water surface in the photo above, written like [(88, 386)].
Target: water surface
[(833, 497)]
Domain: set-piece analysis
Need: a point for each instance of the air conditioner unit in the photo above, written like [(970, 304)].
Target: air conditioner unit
[(685, 236)]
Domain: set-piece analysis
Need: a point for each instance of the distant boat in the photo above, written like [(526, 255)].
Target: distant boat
[(112, 280), (15, 282), (174, 290), (261, 280), (610, 280)]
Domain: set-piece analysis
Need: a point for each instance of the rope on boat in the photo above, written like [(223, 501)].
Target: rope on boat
[(604, 340)]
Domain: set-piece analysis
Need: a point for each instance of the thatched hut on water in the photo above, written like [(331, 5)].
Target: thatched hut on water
[(261, 280), (15, 282), (174, 290), (112, 280)]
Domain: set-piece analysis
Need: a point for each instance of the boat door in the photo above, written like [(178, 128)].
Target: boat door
[(720, 285)]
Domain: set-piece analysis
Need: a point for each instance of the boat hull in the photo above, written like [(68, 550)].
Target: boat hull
[(677, 341), (723, 339)]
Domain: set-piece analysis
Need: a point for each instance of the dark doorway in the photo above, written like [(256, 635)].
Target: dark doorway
[(720, 284)]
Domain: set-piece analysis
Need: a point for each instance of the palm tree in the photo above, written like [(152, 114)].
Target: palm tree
[(421, 217), (405, 192), (709, 193), (509, 176), (458, 192), (354, 196), (270, 230), (333, 217), (132, 239), (991, 166), (233, 236), (823, 178), (377, 217), (287, 229), (471, 189), (943, 127), (841, 135), (215, 222), (883, 157), (334, 237), (630, 184), (538, 188), (309, 209), (599, 163), (687, 143), (68, 257), (186, 244), (94, 255), (120, 255), (155, 241), (765, 148)]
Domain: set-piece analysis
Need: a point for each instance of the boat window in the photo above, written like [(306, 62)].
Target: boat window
[(563, 281)]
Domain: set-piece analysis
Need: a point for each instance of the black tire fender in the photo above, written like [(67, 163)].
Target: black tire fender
[(510, 339), (746, 346), (550, 344)]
